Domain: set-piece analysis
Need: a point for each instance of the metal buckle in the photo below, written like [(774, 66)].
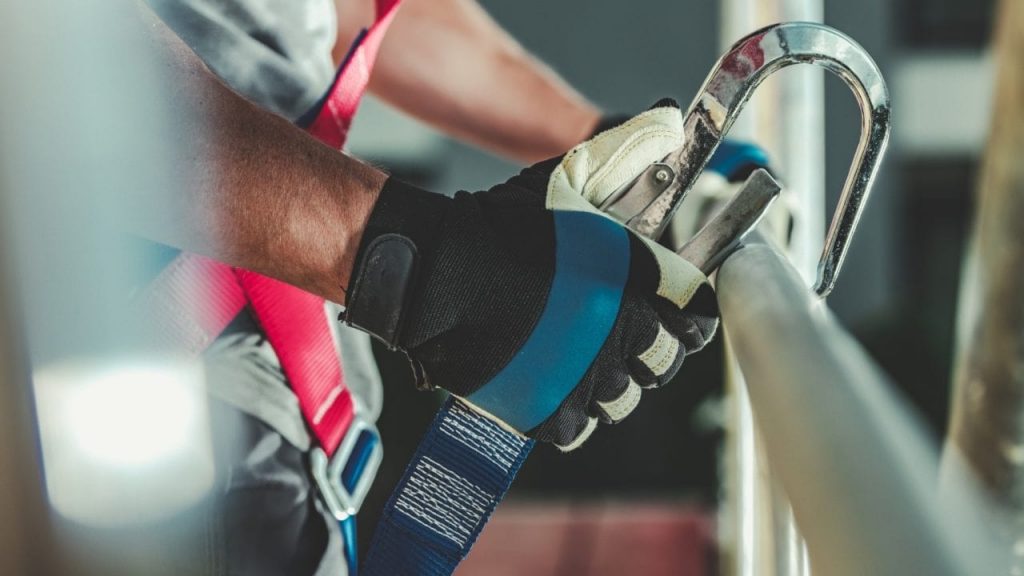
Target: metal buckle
[(328, 472)]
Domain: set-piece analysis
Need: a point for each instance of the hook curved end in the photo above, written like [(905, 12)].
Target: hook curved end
[(729, 86)]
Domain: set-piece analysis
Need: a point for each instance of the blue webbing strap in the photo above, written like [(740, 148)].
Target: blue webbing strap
[(459, 474)]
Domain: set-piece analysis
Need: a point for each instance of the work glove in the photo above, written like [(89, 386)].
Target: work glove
[(524, 300)]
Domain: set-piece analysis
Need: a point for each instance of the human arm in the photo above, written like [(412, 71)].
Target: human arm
[(448, 63), (525, 278), (252, 190)]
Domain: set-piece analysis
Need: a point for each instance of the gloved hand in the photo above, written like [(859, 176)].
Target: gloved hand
[(527, 302)]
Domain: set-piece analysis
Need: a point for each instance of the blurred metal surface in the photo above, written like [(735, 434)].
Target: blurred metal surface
[(85, 132), (986, 435), (27, 544), (26, 538), (857, 467)]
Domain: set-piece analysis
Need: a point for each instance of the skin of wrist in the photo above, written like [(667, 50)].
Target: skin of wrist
[(361, 205)]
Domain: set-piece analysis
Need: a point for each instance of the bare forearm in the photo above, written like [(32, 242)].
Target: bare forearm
[(255, 191), (448, 63)]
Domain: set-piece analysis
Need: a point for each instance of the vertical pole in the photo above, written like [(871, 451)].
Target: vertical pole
[(746, 534), (986, 435), (26, 542), (801, 135), (786, 117), (801, 140), (85, 131)]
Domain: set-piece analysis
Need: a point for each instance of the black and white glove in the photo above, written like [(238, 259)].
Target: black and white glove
[(527, 302)]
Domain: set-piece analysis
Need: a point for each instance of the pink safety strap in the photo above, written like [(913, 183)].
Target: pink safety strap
[(335, 118), (296, 326), (294, 321), (199, 297), (191, 301)]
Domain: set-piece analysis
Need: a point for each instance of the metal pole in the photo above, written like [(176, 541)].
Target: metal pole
[(986, 435), (85, 131), (743, 534), (801, 153), (787, 118), (855, 463), (27, 543), (26, 538)]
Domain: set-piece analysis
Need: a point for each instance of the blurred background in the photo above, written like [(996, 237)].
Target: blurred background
[(657, 477)]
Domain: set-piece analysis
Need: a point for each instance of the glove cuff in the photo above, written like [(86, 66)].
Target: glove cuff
[(402, 227)]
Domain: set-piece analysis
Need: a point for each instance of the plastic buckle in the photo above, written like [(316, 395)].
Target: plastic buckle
[(345, 478)]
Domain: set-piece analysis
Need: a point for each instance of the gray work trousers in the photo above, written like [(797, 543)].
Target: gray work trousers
[(265, 516)]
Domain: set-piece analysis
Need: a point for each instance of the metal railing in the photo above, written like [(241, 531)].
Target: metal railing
[(857, 467), (814, 423)]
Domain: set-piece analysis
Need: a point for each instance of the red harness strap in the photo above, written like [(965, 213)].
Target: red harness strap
[(339, 108), (195, 298)]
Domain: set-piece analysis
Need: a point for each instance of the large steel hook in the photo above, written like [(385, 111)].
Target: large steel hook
[(722, 97)]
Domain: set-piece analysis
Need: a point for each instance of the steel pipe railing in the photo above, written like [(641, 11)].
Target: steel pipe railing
[(856, 465)]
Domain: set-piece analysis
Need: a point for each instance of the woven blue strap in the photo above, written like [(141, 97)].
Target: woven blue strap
[(459, 474)]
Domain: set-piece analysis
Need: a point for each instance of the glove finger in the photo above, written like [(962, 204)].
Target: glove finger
[(571, 424), (584, 432), (656, 358), (613, 406), (682, 298), (646, 350), (695, 325), (614, 394)]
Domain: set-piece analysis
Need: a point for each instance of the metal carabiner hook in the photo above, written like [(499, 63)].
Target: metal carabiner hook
[(722, 97)]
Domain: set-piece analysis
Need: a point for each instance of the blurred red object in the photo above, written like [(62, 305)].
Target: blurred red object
[(558, 538)]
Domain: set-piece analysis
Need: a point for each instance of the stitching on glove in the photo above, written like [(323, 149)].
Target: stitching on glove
[(689, 292), (662, 353), (622, 406)]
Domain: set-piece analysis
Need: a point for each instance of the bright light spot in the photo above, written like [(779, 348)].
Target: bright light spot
[(124, 442), (134, 416)]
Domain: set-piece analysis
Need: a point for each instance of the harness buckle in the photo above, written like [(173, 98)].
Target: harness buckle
[(345, 478)]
